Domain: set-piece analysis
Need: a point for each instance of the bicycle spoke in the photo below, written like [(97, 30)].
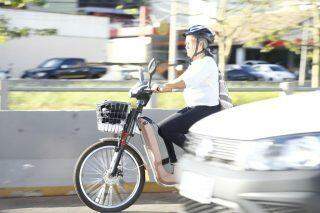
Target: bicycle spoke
[(92, 185), (118, 194), (95, 167), (92, 174), (110, 154), (101, 194), (94, 191), (93, 179), (105, 159), (122, 188), (109, 196), (99, 164), (113, 191)]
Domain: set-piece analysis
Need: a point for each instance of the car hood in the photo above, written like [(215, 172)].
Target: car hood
[(279, 116)]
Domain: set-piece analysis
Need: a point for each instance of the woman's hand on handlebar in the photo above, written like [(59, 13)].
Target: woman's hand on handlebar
[(163, 88), (156, 88)]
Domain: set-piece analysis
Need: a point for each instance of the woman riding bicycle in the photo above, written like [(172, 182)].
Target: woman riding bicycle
[(200, 85)]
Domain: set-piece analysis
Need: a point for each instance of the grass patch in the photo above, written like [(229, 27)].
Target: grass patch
[(240, 98), (88, 100)]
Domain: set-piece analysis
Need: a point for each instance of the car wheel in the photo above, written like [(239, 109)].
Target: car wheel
[(191, 206), (270, 79), (26, 77), (95, 76)]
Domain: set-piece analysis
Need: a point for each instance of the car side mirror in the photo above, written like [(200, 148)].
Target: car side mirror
[(152, 66)]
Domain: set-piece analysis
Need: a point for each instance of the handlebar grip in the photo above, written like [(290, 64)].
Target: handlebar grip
[(148, 90)]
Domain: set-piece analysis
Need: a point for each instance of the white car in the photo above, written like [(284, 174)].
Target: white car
[(116, 75), (119, 73), (274, 72), (256, 157)]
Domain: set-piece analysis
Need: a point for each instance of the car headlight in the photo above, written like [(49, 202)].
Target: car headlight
[(280, 153), (277, 153)]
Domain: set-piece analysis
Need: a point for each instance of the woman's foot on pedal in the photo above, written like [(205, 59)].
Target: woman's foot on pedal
[(168, 165)]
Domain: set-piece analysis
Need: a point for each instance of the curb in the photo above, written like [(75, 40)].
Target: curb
[(66, 190)]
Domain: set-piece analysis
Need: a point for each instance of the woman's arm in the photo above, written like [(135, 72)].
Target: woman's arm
[(177, 83)]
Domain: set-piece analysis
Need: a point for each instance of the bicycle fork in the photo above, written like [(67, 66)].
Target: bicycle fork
[(118, 154)]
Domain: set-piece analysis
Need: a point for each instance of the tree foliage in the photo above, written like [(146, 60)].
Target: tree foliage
[(7, 32), (255, 21)]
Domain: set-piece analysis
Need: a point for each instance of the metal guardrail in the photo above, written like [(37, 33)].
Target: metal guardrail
[(285, 87)]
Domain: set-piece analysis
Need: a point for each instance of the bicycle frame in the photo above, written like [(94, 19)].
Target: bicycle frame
[(151, 145)]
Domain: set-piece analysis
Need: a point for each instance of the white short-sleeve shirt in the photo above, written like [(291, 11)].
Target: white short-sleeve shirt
[(202, 85)]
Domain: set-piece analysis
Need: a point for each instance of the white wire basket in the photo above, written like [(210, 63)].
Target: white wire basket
[(112, 116)]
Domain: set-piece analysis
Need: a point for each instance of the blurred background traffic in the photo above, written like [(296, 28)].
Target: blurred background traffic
[(259, 44)]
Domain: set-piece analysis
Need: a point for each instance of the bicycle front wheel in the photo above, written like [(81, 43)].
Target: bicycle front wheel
[(97, 189)]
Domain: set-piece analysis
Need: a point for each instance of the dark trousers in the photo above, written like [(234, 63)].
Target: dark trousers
[(174, 128)]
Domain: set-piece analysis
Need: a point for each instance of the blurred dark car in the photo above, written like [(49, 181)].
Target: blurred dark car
[(64, 68), (242, 73), (254, 62), (4, 74)]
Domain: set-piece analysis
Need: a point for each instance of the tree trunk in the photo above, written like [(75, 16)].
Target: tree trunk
[(221, 59), (228, 46), (172, 41), (303, 56), (316, 50), (221, 38)]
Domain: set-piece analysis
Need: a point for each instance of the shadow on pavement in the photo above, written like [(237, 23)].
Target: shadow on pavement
[(148, 202)]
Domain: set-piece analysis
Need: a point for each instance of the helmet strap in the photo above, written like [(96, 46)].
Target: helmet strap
[(196, 50)]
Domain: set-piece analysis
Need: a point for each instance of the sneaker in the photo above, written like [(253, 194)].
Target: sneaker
[(169, 167)]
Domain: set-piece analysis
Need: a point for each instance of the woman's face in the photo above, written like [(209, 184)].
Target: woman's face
[(190, 45)]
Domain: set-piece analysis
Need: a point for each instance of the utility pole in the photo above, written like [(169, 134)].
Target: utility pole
[(303, 56), (172, 40), (221, 37), (142, 24)]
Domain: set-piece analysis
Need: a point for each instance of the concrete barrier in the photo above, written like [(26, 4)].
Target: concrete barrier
[(39, 149)]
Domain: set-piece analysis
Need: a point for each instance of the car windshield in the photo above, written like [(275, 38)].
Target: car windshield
[(248, 68), (261, 62), (277, 68), (51, 63)]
